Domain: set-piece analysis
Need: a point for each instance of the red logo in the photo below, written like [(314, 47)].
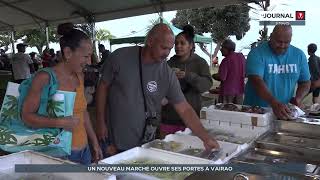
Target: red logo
[(300, 15)]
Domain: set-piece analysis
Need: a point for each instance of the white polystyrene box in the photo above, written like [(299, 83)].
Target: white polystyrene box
[(7, 165), (253, 119)]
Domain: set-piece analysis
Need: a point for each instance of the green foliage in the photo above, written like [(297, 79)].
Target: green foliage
[(220, 22), (37, 37), (5, 39), (103, 35)]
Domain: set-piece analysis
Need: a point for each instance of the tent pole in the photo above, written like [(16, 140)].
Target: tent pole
[(211, 63), (47, 35), (12, 41)]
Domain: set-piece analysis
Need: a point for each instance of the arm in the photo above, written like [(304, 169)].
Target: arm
[(216, 77), (302, 91), (280, 110), (97, 153), (303, 82), (192, 121), (101, 101), (31, 66), (31, 105)]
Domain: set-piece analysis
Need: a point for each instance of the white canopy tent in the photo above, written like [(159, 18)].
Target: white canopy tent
[(26, 14)]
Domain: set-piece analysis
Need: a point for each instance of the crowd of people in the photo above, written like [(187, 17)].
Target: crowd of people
[(141, 96)]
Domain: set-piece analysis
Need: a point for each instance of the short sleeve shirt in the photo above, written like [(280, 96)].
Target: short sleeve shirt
[(20, 66), (125, 100), (280, 73)]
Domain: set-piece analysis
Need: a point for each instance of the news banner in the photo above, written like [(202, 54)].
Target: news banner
[(150, 168)]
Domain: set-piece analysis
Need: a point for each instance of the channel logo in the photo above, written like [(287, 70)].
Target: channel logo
[(300, 15), (284, 17)]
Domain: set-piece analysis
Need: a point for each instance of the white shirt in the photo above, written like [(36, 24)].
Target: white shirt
[(20, 66)]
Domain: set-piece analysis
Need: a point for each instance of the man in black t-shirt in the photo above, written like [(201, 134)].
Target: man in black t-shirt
[(314, 68)]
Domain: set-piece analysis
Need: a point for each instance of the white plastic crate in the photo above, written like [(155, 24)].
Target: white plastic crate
[(152, 156), (252, 119), (155, 156), (7, 164), (239, 133)]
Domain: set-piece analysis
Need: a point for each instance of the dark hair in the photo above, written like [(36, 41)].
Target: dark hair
[(312, 48), (228, 44), (32, 54), (188, 33), (71, 36), (101, 46)]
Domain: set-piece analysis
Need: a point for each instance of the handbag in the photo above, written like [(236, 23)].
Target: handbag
[(16, 136)]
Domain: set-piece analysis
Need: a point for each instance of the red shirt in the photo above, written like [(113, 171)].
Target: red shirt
[(232, 74)]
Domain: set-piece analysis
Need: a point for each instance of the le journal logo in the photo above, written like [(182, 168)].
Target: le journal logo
[(289, 16)]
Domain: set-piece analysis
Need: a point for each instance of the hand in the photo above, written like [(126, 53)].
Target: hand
[(211, 143), (280, 110), (70, 123), (181, 74), (102, 132), (97, 153), (112, 150), (296, 102)]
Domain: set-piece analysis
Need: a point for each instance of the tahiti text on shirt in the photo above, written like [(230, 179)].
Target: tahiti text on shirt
[(282, 69)]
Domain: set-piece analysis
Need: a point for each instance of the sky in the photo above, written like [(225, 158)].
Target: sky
[(302, 35)]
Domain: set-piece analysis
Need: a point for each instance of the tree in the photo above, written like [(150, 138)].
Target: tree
[(5, 39), (103, 35), (37, 37), (220, 22)]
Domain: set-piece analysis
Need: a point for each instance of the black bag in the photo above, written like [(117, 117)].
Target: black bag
[(152, 122)]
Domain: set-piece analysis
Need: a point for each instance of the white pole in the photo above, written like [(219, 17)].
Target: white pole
[(12, 41), (211, 64), (47, 36)]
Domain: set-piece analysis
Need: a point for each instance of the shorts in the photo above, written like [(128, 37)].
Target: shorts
[(81, 156), (315, 92)]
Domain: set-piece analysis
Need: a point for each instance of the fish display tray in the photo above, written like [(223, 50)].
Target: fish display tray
[(140, 155), (253, 119), (7, 165), (152, 156), (192, 146)]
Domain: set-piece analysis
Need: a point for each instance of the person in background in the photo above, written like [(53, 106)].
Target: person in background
[(46, 58), (22, 65), (35, 60), (76, 48), (274, 69), (53, 60), (314, 68), (104, 54), (231, 74), (194, 76), (132, 99)]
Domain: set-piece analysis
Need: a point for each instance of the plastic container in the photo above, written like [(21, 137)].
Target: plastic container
[(7, 164), (244, 118)]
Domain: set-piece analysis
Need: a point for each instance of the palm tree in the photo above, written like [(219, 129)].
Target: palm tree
[(103, 35)]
